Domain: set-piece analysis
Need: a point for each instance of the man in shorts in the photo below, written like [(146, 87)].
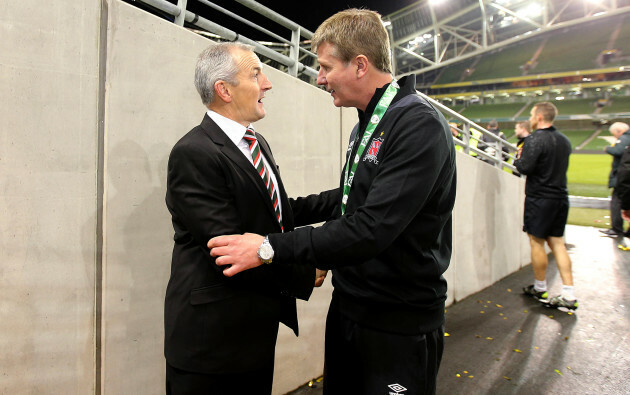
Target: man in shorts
[(544, 159)]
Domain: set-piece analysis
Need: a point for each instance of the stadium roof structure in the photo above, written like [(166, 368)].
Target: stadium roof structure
[(431, 34)]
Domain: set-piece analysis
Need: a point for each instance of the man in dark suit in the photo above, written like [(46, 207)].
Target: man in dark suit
[(220, 332)]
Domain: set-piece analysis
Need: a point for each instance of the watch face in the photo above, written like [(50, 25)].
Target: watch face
[(265, 252)]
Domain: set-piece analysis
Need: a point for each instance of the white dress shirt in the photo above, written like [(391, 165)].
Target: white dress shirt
[(235, 132)]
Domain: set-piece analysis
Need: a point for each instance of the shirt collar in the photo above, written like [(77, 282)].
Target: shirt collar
[(234, 130)]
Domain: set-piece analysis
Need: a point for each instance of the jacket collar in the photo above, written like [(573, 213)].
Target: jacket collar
[(407, 86)]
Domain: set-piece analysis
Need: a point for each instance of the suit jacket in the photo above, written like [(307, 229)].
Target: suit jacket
[(215, 324)]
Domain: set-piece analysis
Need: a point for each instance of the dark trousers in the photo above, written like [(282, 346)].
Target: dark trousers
[(182, 382), (360, 360), (616, 221)]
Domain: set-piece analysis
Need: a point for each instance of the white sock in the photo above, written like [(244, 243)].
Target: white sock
[(540, 286), (568, 293)]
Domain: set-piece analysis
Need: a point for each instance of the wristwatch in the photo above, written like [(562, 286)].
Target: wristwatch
[(265, 251)]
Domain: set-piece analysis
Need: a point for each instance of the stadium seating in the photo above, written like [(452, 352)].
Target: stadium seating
[(507, 62), (617, 104), (485, 111), (518, 76), (577, 48), (558, 53)]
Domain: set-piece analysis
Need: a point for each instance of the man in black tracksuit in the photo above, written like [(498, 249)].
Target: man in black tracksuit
[(391, 244), (544, 159)]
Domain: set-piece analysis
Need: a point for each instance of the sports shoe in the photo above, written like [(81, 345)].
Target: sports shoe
[(538, 295), (610, 233), (559, 301)]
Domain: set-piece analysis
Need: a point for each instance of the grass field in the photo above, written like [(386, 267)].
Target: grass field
[(577, 137), (589, 217), (597, 144), (588, 176)]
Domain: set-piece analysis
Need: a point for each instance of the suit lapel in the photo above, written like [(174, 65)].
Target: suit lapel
[(233, 153)]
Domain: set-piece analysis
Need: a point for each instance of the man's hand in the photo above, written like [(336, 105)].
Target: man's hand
[(320, 276), (626, 215), (240, 251)]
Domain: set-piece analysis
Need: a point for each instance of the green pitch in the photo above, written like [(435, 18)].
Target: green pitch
[(588, 175)]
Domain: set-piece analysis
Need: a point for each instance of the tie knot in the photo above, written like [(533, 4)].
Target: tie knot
[(249, 134)]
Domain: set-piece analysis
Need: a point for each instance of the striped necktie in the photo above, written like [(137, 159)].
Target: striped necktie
[(259, 164)]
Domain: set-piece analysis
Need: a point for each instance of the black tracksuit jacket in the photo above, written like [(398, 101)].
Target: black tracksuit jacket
[(390, 249), (545, 160)]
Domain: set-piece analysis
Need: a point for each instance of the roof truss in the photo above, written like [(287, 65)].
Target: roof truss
[(431, 34)]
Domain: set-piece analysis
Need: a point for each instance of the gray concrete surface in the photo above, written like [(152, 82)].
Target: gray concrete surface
[(502, 342)]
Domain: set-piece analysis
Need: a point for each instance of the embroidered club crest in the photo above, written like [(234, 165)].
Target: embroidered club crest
[(373, 151)]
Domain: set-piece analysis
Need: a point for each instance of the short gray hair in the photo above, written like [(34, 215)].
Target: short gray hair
[(619, 127), (216, 63)]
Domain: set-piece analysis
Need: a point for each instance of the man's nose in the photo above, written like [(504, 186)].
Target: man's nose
[(266, 84), (321, 78)]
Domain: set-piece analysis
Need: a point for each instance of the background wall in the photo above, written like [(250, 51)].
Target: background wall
[(92, 98), (49, 55), (488, 243)]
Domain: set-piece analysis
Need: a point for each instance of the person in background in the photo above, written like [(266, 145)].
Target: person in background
[(220, 332), (621, 132), (457, 134), (522, 130), (544, 159), (391, 238), (623, 190), (473, 138), (490, 145), (623, 183)]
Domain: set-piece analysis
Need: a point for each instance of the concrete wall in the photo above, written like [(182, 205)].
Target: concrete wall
[(48, 188), (487, 241), (149, 106), (92, 97)]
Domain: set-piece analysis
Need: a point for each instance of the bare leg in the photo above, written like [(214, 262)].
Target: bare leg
[(562, 259), (539, 257)]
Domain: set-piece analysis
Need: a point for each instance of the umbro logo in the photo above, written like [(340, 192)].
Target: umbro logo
[(397, 388)]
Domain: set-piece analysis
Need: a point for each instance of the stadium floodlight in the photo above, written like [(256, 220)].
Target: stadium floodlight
[(533, 10), (436, 2)]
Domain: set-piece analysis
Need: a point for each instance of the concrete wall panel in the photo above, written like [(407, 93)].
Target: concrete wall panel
[(150, 103), (48, 151), (488, 242)]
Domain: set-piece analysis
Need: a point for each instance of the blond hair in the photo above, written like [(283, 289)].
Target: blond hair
[(356, 32), (548, 110)]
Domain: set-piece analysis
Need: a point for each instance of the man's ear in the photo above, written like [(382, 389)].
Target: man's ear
[(362, 65), (222, 90)]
